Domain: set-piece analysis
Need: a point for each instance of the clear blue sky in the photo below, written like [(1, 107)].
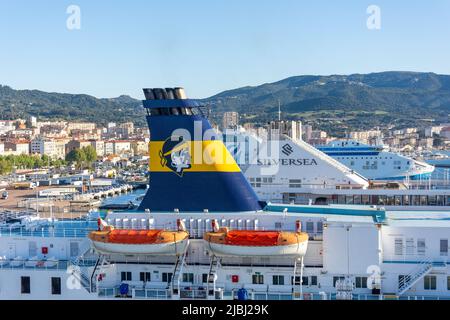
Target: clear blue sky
[(212, 45)]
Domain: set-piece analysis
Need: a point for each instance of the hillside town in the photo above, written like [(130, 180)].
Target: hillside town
[(56, 139), (407, 140)]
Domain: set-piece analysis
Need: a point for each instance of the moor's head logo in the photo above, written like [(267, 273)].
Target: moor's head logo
[(175, 155)]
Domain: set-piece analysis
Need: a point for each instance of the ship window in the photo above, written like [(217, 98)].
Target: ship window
[(125, 276), (429, 283), (25, 285), (258, 279), (204, 277), (421, 247), (32, 248), (410, 246), (448, 283), (406, 200), (361, 282), (296, 282), (319, 227), (305, 281), (398, 246), (74, 249), (56, 285), (432, 200), (145, 276), (309, 227), (188, 277), (314, 280), (335, 279), (278, 225), (295, 183), (444, 247), (365, 199), (167, 277), (278, 280)]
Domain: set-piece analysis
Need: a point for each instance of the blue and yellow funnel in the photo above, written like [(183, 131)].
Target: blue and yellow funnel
[(190, 168)]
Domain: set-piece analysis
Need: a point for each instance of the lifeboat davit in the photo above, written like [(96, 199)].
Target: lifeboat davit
[(225, 242), (108, 240)]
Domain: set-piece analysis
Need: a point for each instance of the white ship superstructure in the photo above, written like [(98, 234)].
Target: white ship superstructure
[(383, 254), (376, 162), (284, 170)]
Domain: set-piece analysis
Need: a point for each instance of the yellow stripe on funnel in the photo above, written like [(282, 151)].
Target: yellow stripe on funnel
[(206, 156)]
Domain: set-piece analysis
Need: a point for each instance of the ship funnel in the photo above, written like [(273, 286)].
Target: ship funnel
[(190, 167)]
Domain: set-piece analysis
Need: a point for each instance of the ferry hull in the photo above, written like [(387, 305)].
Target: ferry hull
[(172, 248), (297, 249)]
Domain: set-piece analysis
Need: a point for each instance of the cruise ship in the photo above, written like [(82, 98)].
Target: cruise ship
[(201, 232), (376, 162), (286, 170)]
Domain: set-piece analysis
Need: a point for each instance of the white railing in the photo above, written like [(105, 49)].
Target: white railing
[(45, 232), (27, 264)]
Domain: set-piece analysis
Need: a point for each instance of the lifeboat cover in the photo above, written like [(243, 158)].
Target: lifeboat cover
[(133, 236), (252, 238)]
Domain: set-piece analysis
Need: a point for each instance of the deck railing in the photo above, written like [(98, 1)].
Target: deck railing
[(46, 232)]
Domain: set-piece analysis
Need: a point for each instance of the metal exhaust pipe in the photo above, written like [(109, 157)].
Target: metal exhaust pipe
[(170, 93), (149, 94), (179, 93), (159, 95)]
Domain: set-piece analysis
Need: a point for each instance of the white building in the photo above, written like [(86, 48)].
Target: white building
[(44, 146), (230, 120), (292, 129), (122, 146)]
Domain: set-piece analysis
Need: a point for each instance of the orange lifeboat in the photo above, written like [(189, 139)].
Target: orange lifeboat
[(149, 242), (225, 242)]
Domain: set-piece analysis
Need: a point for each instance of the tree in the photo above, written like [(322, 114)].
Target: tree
[(77, 156), (82, 157), (90, 154), (5, 166)]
